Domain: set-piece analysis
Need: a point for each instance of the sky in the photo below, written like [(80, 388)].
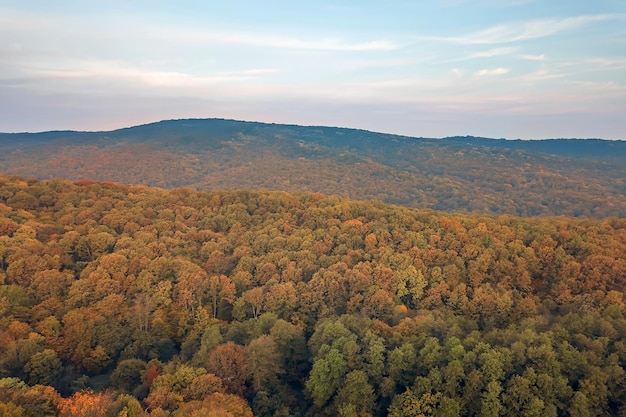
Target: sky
[(527, 69)]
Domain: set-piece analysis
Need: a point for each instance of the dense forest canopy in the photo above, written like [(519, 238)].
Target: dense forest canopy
[(131, 301), (583, 178)]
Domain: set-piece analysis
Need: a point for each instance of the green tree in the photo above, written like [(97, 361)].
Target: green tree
[(43, 367), (326, 377), (580, 407), (263, 362), (356, 395), (491, 405), (403, 364), (409, 404), (128, 374)]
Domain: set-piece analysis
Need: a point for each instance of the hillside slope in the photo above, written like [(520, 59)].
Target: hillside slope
[(218, 303), (478, 175)]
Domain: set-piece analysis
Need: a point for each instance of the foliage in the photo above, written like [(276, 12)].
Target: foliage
[(467, 174), (232, 302)]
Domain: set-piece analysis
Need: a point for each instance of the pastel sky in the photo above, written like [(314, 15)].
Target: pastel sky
[(431, 68)]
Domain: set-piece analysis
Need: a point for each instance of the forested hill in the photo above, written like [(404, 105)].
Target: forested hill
[(478, 175), (120, 300)]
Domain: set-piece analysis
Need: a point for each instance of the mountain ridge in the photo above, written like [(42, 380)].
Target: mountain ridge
[(544, 145), (572, 177), (250, 122)]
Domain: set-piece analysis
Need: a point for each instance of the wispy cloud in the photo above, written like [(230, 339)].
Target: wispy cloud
[(527, 57), (603, 63), (492, 72), (521, 31), (177, 79), (20, 22), (541, 75), (611, 87), (114, 72), (284, 42), (503, 51), (457, 72), (508, 3), (364, 64), (490, 3), (494, 52)]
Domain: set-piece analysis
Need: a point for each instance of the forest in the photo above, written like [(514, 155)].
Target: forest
[(568, 177), (127, 300)]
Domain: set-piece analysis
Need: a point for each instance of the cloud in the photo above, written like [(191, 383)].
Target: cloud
[(521, 31), (494, 52), (67, 27), (603, 63), (508, 3), (484, 54), (451, 3), (611, 87), (456, 72), (489, 3), (108, 76), (286, 42), (541, 57), (264, 40), (492, 72), (541, 75), (177, 79), (364, 64)]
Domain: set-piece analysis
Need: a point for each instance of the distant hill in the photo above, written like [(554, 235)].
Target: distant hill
[(571, 177)]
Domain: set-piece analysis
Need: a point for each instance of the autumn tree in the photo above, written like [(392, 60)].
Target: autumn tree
[(228, 362)]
